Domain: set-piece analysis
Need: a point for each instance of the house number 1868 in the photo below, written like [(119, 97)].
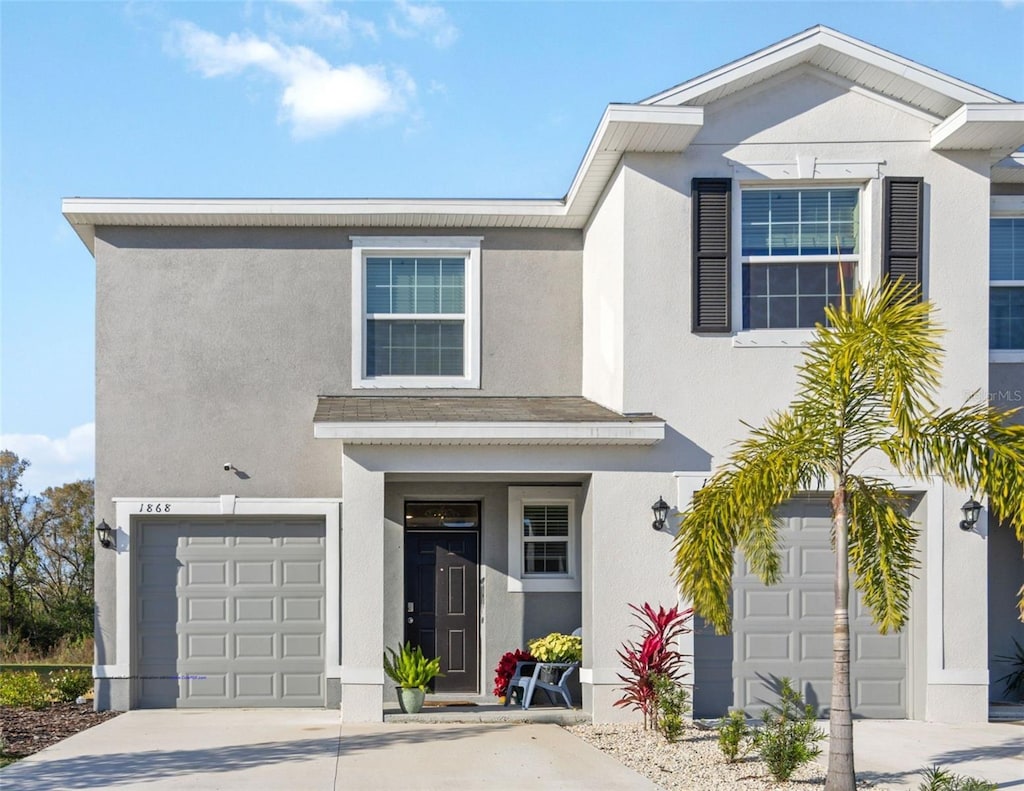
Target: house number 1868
[(154, 508)]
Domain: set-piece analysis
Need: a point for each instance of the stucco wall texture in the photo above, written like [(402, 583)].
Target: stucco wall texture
[(212, 345)]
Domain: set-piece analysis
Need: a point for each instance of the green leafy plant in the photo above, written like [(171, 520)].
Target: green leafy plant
[(672, 703), (408, 668), (789, 737), (938, 779), (734, 735), (1015, 678), (69, 684), (23, 688), (557, 647)]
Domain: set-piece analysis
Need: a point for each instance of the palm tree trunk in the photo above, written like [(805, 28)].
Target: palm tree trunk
[(841, 776)]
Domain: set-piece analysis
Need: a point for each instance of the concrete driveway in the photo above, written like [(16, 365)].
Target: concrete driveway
[(302, 750)]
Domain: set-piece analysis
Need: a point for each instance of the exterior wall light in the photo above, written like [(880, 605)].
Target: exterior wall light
[(105, 531), (660, 509), (972, 510)]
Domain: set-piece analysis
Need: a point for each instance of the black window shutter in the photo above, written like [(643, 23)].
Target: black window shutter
[(712, 292), (903, 231)]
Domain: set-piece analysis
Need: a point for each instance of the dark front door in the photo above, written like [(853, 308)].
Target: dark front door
[(441, 584)]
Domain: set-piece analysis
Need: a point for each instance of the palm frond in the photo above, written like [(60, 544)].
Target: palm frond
[(882, 542), (736, 509)]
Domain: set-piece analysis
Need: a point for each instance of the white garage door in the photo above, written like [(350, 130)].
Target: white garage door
[(786, 629), (230, 613)]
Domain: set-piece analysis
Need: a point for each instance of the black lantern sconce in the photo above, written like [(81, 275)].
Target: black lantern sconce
[(105, 533), (660, 510), (971, 510)]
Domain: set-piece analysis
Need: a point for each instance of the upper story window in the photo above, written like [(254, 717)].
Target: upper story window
[(1006, 291), (799, 249), (415, 312)]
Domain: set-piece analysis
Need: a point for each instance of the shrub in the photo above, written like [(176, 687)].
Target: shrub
[(938, 779), (653, 655), (1015, 678), (507, 667), (23, 688), (789, 737), (557, 647), (70, 683), (734, 735), (672, 704)]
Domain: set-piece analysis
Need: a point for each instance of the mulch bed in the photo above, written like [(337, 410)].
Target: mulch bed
[(25, 731)]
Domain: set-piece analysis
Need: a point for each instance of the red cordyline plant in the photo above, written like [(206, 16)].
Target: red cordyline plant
[(653, 655), (507, 667)]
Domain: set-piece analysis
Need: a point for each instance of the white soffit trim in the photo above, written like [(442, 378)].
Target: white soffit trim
[(647, 432), (986, 127), (832, 51), (1009, 170), (622, 128)]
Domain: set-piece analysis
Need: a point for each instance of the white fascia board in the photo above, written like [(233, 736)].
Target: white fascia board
[(619, 114), (982, 127), (532, 433), (801, 47)]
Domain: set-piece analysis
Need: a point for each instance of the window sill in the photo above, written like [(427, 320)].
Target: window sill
[(417, 382), (767, 339), (1006, 356), (544, 585)]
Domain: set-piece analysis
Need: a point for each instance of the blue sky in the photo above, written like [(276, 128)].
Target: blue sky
[(321, 99)]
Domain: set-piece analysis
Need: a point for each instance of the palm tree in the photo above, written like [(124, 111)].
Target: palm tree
[(867, 386)]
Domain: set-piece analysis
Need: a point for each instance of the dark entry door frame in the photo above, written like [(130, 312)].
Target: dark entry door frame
[(442, 598)]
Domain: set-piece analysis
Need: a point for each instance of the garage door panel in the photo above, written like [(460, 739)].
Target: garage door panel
[(254, 610), (762, 626), (252, 572), (302, 609), (767, 603), (239, 618), (207, 573)]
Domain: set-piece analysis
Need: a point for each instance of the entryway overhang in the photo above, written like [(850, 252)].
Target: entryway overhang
[(480, 420)]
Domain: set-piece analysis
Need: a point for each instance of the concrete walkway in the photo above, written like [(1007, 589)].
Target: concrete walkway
[(891, 753), (302, 750), (307, 750)]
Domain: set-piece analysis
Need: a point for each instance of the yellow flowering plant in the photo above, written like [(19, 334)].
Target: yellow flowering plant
[(557, 647)]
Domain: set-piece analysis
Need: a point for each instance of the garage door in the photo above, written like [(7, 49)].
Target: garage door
[(786, 629), (230, 613)]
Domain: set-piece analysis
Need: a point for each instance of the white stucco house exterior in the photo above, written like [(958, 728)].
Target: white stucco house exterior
[(326, 426)]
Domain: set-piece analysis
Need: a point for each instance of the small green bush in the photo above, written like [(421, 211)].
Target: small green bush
[(672, 703), (789, 737), (69, 684), (23, 688), (734, 735), (939, 779)]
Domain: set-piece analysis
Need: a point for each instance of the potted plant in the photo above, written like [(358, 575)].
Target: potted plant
[(412, 672), (556, 647)]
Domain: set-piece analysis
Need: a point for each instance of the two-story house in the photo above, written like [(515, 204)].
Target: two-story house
[(327, 426)]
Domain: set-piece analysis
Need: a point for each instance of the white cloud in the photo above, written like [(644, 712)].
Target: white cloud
[(54, 460), (318, 18), (428, 21), (316, 97)]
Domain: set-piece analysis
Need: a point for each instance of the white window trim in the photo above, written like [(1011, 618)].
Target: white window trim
[(468, 246), (795, 337), (518, 496), (1006, 207)]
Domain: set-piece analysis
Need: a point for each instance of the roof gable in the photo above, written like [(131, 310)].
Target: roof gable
[(857, 61)]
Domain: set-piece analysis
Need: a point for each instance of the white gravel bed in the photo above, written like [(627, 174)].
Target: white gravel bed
[(694, 763)]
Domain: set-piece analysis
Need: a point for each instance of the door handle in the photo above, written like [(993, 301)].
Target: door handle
[(410, 619)]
